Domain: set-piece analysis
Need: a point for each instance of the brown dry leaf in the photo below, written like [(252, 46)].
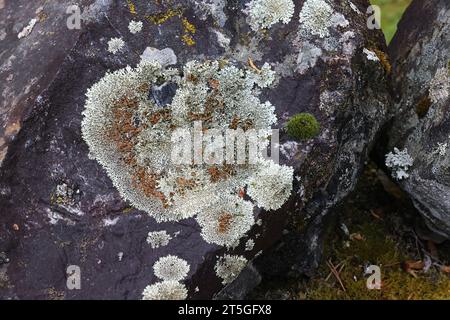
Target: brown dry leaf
[(357, 237), (377, 213), (253, 66), (445, 269), (412, 266)]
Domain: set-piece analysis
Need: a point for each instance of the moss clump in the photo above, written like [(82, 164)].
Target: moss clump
[(303, 126)]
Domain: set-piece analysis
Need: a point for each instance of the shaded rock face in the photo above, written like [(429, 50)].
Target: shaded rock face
[(420, 58), (59, 208)]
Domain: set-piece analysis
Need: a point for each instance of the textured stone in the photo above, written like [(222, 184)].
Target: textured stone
[(43, 230), (420, 58)]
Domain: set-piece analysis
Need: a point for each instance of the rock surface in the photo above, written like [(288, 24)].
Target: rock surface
[(58, 207), (420, 58)]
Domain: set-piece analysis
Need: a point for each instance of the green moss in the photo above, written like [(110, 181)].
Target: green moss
[(376, 236), (303, 126), (383, 251)]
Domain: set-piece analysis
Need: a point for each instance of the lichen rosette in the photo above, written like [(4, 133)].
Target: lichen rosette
[(129, 122)]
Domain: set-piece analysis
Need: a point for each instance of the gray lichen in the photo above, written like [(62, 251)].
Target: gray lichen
[(263, 14), (229, 267)]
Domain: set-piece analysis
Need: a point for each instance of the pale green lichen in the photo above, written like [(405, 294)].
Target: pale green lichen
[(226, 224), (115, 45), (229, 267), (249, 245), (399, 162), (132, 131), (165, 290), (135, 26), (271, 185), (171, 268), (158, 239), (265, 13), (315, 17)]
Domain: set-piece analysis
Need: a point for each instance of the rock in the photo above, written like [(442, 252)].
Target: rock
[(65, 206), (248, 279), (421, 127)]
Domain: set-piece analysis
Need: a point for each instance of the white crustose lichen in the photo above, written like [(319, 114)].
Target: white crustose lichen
[(115, 45), (249, 245), (225, 224), (316, 18), (165, 290), (158, 239), (135, 26), (271, 185), (229, 267), (171, 268), (263, 14), (399, 162)]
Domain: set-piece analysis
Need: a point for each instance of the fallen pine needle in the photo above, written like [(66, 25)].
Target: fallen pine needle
[(336, 274)]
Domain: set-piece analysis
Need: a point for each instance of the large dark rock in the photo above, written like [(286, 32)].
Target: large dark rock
[(58, 207), (420, 58)]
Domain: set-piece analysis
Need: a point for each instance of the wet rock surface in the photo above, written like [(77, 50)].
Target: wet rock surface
[(420, 58), (59, 208)]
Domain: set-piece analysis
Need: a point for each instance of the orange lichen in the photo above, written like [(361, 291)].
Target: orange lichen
[(384, 59), (218, 173), (225, 220), (122, 133), (159, 115)]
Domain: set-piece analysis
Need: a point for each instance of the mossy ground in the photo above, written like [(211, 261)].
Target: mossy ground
[(381, 231), (391, 13)]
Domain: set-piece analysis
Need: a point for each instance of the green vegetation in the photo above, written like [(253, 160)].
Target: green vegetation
[(303, 126), (391, 13), (376, 237), (372, 227), (376, 248)]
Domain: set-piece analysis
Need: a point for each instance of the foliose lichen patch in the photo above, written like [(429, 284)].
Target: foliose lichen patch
[(129, 122)]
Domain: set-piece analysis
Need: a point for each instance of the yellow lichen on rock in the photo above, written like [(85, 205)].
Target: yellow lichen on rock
[(132, 7), (188, 27), (161, 18), (188, 40)]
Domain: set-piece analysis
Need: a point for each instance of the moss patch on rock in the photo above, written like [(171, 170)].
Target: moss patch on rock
[(303, 126)]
